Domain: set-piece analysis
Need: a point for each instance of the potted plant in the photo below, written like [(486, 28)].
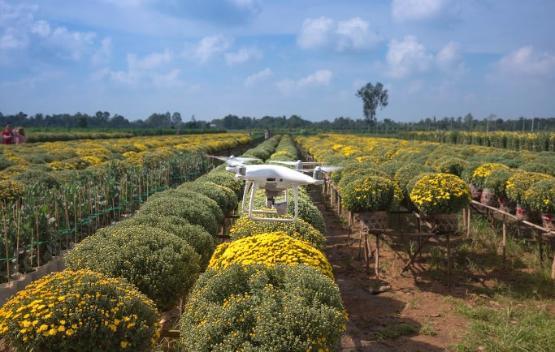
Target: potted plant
[(516, 187), (479, 177), (497, 182), (371, 196), (439, 197), (540, 197)]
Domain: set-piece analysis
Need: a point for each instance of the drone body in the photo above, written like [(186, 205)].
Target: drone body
[(276, 181)]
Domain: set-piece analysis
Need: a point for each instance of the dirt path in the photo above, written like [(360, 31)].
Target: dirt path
[(410, 316)]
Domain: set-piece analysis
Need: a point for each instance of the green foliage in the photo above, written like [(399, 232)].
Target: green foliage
[(520, 182), (79, 311), (511, 327), (406, 173), (161, 265), (195, 235), (257, 308), (497, 181), (223, 178), (451, 165), (371, 193), (541, 196), (195, 209), (225, 197)]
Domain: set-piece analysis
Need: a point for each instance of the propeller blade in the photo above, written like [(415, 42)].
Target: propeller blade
[(222, 158), (283, 162), (330, 168)]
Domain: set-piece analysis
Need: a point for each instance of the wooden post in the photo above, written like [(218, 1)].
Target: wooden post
[(504, 242), (553, 268), (468, 211), (377, 256), (449, 260)]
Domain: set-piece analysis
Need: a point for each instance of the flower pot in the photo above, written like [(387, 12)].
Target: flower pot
[(475, 192), (548, 221), (488, 197), (521, 213), (505, 205)]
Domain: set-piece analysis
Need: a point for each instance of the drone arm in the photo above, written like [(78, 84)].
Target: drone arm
[(296, 193), (248, 184)]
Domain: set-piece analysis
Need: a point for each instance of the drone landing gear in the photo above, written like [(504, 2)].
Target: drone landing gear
[(276, 208)]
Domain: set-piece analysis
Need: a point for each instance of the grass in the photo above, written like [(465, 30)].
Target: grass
[(516, 316), (524, 326), (396, 330)]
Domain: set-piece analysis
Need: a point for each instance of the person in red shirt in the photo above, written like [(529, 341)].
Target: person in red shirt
[(7, 135)]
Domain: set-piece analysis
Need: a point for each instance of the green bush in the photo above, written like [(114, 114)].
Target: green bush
[(540, 196), (299, 229), (79, 311), (258, 308), (308, 211), (520, 182), (406, 173), (161, 265), (171, 203), (451, 165), (390, 167), (497, 181), (225, 197), (371, 193), (223, 178), (195, 235)]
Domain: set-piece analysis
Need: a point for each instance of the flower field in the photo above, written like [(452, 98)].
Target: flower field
[(435, 178), (540, 141), (54, 194)]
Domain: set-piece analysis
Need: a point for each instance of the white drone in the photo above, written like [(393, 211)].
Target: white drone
[(276, 180)]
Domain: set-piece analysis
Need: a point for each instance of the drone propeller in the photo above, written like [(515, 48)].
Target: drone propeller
[(330, 168), (234, 160), (294, 163)]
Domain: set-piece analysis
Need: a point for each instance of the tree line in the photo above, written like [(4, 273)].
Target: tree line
[(233, 122)]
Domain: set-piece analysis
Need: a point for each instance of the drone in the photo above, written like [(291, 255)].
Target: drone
[(276, 181)]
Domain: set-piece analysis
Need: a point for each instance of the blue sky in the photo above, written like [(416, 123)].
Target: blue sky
[(257, 57)]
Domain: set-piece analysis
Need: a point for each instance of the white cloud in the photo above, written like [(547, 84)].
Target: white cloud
[(211, 46), (150, 61), (316, 79), (315, 32), (251, 6), (258, 77), (148, 69), (322, 32), (526, 61), (403, 10), (19, 29), (243, 55), (103, 54), (407, 56), (449, 59)]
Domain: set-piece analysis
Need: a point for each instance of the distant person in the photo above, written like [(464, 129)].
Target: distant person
[(19, 136), (7, 135)]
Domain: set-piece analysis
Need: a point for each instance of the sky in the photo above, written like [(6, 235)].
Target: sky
[(210, 58)]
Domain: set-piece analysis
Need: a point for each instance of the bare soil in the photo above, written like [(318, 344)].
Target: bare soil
[(412, 314)]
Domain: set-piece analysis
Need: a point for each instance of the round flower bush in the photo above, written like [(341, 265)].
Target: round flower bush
[(299, 229), (540, 196), (173, 204), (269, 249), (371, 193), (390, 167), (308, 211), (200, 198), (79, 311), (161, 265), (356, 175), (440, 194), (195, 235), (497, 181), (482, 172), (520, 182), (257, 308), (223, 178), (225, 197), (406, 173), (451, 165)]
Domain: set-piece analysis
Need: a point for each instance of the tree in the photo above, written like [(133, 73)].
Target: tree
[(373, 97)]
